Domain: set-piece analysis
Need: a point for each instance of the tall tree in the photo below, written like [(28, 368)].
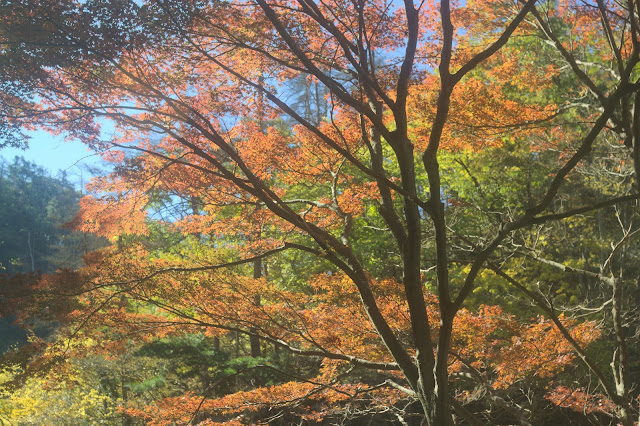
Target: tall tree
[(34, 207), (195, 72)]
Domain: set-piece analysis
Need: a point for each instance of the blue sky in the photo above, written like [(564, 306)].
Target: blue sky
[(57, 156)]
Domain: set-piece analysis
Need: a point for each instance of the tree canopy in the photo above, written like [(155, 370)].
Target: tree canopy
[(34, 207), (409, 211)]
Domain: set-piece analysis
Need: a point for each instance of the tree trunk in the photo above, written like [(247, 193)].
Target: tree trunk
[(254, 341), (433, 392)]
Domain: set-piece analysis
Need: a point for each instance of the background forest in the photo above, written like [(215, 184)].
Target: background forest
[(33, 208), (324, 212)]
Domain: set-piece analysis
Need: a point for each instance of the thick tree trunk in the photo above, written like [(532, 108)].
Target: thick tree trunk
[(433, 384), (436, 407)]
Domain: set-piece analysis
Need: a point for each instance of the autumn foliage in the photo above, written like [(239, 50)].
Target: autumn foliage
[(399, 212)]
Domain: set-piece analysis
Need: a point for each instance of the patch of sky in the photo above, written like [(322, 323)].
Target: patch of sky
[(72, 158), (69, 158)]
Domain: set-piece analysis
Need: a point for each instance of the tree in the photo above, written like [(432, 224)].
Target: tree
[(34, 208), (186, 82)]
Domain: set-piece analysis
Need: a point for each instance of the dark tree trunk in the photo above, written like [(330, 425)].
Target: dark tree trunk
[(254, 341)]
